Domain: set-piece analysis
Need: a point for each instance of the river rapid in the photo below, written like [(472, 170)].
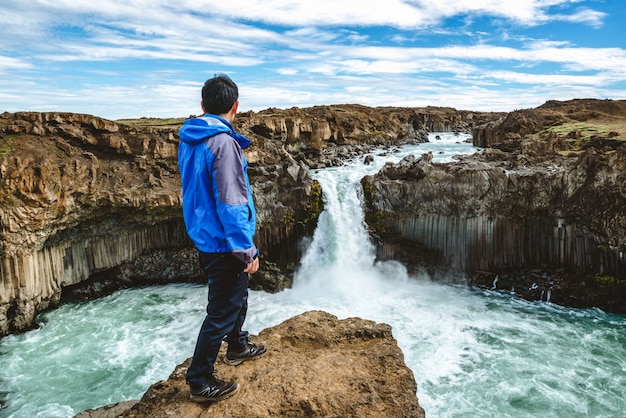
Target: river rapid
[(474, 353)]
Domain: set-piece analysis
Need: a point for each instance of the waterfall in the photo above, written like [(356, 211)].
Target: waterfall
[(340, 258), (340, 246)]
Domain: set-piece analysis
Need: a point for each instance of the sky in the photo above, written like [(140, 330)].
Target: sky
[(139, 58)]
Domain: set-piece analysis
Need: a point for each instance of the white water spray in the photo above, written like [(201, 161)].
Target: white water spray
[(340, 258)]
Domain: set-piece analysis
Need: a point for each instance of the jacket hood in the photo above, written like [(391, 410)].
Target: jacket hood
[(197, 130)]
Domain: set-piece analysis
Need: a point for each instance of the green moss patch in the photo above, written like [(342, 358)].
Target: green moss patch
[(6, 145), (607, 281), (154, 122), (581, 129)]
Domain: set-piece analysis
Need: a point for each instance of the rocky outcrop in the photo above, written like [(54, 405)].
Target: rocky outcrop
[(542, 215), (316, 365), (79, 195), (88, 205), (574, 119)]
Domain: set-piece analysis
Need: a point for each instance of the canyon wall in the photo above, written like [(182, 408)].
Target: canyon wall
[(541, 213), (89, 205)]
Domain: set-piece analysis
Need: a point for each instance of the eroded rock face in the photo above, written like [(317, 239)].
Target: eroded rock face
[(318, 128), (546, 219), (79, 195), (88, 205), (554, 120), (316, 365)]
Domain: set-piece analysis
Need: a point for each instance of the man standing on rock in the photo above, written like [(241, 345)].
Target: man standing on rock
[(221, 220)]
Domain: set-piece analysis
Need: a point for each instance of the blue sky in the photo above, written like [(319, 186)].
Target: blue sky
[(134, 58)]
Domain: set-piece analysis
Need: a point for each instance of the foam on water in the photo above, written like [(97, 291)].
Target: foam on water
[(473, 352), (98, 352)]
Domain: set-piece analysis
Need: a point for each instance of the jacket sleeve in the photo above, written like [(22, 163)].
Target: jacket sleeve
[(234, 208)]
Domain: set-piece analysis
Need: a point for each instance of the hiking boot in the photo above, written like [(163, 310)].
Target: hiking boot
[(213, 390), (250, 352)]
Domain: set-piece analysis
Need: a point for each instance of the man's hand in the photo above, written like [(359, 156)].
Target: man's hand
[(252, 267)]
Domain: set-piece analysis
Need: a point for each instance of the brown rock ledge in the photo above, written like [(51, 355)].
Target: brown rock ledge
[(317, 365)]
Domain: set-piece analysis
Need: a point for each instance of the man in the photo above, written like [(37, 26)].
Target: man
[(221, 220)]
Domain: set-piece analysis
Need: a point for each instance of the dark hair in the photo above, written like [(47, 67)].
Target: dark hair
[(219, 94)]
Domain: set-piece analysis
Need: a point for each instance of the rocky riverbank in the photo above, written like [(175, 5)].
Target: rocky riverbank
[(540, 212), (89, 205)]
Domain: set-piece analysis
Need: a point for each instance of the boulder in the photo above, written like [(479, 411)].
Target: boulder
[(316, 365)]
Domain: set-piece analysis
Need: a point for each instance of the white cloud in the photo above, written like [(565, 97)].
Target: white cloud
[(287, 71), (587, 16), (311, 34), (397, 13), (546, 79), (402, 66), (9, 63), (322, 12), (110, 54), (205, 16), (456, 57)]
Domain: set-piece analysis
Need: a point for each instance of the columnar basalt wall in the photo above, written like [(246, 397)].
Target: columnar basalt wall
[(90, 202), (541, 211), (537, 259), (84, 200), (35, 279), (79, 195), (492, 243)]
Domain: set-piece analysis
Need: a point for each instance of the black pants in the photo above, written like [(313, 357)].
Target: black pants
[(226, 313)]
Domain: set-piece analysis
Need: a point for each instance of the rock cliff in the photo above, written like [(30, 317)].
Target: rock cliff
[(88, 205), (89, 201), (540, 212), (316, 365)]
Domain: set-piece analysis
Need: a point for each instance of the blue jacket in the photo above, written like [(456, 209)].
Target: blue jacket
[(217, 199)]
